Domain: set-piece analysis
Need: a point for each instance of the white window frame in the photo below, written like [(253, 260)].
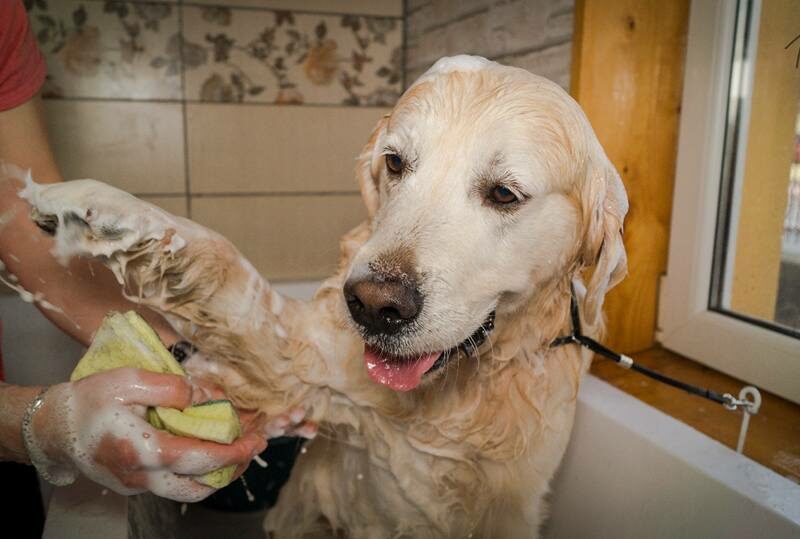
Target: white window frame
[(759, 356)]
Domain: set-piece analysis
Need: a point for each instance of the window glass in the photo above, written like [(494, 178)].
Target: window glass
[(757, 248)]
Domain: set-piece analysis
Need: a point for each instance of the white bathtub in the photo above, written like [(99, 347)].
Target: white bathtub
[(630, 471), (633, 471)]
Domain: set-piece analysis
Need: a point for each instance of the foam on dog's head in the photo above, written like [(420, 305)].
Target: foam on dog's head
[(450, 64)]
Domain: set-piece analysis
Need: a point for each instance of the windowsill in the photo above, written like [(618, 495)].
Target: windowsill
[(773, 438)]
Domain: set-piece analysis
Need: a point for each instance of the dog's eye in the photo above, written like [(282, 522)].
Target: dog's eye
[(503, 195), (394, 163)]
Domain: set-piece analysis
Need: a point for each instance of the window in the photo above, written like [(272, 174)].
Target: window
[(731, 296)]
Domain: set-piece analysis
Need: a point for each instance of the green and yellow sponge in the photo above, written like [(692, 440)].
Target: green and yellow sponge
[(126, 340)]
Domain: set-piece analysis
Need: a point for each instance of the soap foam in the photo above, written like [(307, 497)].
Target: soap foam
[(88, 211), (78, 424), (450, 64)]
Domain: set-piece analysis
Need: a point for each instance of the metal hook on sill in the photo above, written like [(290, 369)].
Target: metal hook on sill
[(749, 401)]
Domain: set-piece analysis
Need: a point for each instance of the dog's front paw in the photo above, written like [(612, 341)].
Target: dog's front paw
[(89, 218)]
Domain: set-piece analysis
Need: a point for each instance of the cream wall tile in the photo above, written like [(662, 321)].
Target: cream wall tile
[(389, 8), (285, 237), (137, 147), (269, 56), (109, 49), (174, 205), (236, 148)]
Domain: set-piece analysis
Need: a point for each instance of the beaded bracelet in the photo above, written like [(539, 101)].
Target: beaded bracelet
[(48, 470)]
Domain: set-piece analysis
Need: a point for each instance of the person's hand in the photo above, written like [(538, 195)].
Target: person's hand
[(97, 425)]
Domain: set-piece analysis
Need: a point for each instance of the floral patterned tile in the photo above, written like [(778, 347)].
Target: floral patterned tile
[(108, 49), (291, 58), (385, 8)]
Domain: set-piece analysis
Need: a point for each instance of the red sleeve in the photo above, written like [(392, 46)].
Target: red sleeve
[(22, 67)]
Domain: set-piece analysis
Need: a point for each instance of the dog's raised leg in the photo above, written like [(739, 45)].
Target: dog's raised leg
[(197, 279), (269, 353)]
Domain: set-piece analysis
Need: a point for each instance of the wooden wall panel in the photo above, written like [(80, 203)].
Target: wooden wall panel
[(627, 75)]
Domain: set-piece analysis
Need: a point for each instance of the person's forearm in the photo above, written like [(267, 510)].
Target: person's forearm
[(80, 294), (77, 296), (13, 402)]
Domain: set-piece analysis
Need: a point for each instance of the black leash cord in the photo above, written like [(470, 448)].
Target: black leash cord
[(578, 338)]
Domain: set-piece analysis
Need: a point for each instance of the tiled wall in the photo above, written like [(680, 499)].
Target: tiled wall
[(532, 34), (245, 115)]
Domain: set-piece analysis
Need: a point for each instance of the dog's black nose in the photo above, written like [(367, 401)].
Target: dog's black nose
[(382, 306)]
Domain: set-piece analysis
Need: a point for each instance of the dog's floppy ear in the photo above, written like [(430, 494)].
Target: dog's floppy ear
[(367, 174), (605, 204)]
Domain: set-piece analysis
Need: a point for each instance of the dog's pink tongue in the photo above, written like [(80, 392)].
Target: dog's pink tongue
[(400, 376)]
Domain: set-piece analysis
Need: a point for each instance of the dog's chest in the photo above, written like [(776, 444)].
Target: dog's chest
[(427, 483)]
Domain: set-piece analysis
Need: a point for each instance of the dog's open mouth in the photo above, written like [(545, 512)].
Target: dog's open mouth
[(405, 373)]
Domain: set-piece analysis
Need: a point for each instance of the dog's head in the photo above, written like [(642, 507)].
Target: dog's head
[(484, 183)]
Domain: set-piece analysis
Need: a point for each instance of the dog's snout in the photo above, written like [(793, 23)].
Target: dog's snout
[(382, 306)]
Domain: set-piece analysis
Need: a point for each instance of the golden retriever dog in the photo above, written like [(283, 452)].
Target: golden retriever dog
[(427, 360)]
